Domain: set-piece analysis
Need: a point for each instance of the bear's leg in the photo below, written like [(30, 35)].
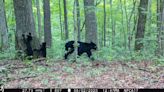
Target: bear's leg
[(89, 54), (68, 53)]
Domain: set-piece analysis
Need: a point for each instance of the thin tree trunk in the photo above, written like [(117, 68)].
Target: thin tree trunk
[(60, 15), (122, 21), (130, 33), (65, 20), (39, 18), (113, 24), (158, 28), (108, 32), (101, 33), (149, 21), (149, 15), (78, 19), (75, 29), (161, 33), (3, 26), (126, 17), (47, 23), (104, 22), (162, 29)]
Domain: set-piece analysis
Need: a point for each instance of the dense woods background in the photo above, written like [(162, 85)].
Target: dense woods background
[(124, 30)]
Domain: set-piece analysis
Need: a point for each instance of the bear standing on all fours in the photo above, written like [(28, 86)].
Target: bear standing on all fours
[(82, 48), (27, 42)]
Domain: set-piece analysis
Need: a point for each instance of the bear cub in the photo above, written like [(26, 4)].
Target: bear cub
[(41, 52), (27, 41)]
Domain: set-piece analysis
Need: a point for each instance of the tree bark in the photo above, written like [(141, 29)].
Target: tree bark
[(160, 27), (104, 22), (60, 17), (141, 25), (123, 24), (39, 17), (90, 21), (24, 23), (65, 20), (47, 23), (78, 19), (75, 28), (113, 22), (130, 32), (3, 26)]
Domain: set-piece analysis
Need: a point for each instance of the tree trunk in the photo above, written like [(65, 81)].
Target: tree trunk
[(130, 32), (160, 26), (126, 29), (158, 29), (24, 23), (75, 28), (3, 26), (60, 15), (123, 24), (39, 17), (104, 22), (90, 21), (141, 25), (113, 22), (78, 19), (65, 20), (47, 23)]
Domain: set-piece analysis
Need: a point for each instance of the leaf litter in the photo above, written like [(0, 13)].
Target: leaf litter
[(94, 74)]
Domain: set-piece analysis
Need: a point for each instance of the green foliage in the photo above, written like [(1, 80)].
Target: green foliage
[(159, 61), (57, 50), (9, 53)]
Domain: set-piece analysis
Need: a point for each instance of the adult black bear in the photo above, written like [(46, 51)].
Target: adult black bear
[(41, 52), (82, 48), (27, 42)]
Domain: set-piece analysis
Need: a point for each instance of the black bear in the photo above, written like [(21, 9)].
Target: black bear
[(43, 49), (82, 48), (41, 52), (27, 42)]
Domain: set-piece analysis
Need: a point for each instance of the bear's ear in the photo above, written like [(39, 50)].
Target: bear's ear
[(23, 35), (44, 43), (29, 33), (92, 42)]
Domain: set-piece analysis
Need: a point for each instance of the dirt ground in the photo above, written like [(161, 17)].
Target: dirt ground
[(94, 74)]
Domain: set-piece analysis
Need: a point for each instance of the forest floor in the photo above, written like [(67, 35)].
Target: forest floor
[(94, 74)]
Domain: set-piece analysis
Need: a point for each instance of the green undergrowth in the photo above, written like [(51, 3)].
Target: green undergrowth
[(56, 52)]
